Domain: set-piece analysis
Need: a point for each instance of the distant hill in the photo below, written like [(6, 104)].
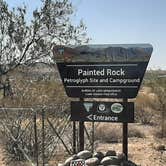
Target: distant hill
[(36, 71), (103, 53)]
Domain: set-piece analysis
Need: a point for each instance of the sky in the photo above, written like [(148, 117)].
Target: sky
[(120, 22)]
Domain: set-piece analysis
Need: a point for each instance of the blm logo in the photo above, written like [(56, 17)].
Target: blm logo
[(78, 163)]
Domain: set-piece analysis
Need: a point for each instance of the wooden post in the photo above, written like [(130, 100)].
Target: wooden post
[(81, 132), (43, 137), (36, 140), (125, 136)]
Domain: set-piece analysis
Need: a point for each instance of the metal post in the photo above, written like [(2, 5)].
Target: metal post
[(81, 135), (4, 90), (163, 127), (77, 137), (93, 136), (81, 132), (36, 140), (125, 136), (43, 137), (74, 137)]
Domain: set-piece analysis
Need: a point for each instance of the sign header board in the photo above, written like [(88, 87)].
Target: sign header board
[(102, 71), (102, 111)]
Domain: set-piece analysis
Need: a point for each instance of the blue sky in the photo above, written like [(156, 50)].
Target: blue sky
[(121, 22)]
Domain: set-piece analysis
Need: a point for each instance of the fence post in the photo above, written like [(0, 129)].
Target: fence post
[(36, 139), (43, 137)]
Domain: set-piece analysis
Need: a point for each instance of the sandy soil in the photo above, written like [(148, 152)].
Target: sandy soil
[(2, 163), (141, 150), (2, 155)]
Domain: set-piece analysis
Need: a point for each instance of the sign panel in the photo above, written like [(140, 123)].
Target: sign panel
[(102, 111), (102, 71)]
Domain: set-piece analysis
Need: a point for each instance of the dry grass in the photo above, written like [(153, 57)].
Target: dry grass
[(145, 105), (134, 131), (112, 133), (108, 133), (157, 133)]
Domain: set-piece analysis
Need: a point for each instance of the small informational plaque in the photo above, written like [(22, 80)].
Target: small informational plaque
[(93, 111)]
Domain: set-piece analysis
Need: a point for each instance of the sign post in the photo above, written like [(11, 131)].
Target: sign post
[(125, 136), (74, 137), (81, 132)]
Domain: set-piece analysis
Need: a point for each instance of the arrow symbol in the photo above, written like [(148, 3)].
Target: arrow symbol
[(90, 117)]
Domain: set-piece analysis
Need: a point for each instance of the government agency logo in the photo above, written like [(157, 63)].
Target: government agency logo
[(88, 106), (117, 108), (101, 108)]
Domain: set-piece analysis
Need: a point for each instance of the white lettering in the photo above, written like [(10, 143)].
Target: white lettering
[(80, 71), (91, 72), (102, 72), (105, 118), (119, 72)]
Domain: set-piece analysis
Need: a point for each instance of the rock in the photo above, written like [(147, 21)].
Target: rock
[(60, 164), (106, 161), (99, 155), (110, 160), (121, 156), (110, 153), (84, 154), (160, 148), (67, 162), (92, 161), (128, 163), (164, 154)]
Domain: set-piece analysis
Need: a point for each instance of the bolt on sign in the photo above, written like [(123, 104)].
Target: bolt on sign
[(102, 111), (102, 71)]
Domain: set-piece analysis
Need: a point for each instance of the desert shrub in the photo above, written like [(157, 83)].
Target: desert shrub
[(17, 128), (134, 131), (108, 133), (113, 133), (145, 106), (157, 133), (144, 115), (17, 134)]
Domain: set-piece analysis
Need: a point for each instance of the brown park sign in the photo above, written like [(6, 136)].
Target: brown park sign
[(102, 71)]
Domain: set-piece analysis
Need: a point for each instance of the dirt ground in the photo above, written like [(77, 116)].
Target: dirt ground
[(142, 151), (2, 162), (2, 154)]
